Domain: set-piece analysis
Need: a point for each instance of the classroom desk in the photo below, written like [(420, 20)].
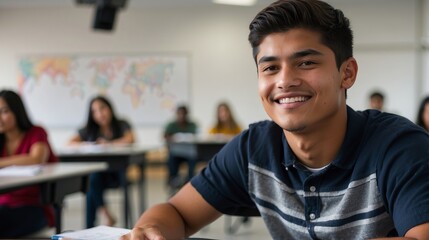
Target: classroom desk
[(56, 181), (118, 158), (202, 150)]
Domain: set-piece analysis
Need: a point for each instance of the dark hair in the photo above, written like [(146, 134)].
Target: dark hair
[(284, 15), (183, 108), (15, 104), (377, 95), (93, 128), (419, 120)]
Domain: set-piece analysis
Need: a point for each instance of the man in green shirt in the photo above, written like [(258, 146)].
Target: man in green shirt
[(182, 128)]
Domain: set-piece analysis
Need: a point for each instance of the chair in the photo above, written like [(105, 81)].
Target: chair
[(243, 219)]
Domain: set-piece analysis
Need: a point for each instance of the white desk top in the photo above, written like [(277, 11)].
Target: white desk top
[(102, 149), (52, 171)]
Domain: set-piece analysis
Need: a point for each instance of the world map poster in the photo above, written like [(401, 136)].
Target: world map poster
[(143, 89)]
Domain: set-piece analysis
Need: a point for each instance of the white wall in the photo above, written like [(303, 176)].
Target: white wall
[(221, 62)]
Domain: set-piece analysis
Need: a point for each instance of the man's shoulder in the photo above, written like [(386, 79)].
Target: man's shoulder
[(171, 124), (385, 121), (382, 129), (266, 128), (264, 124)]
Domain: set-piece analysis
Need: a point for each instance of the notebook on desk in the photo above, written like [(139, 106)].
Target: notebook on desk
[(99, 233), (21, 170)]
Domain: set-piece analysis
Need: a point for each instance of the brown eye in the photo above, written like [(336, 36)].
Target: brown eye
[(306, 63), (270, 68)]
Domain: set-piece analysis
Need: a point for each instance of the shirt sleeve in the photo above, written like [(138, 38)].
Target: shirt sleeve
[(404, 180), (84, 135), (38, 134), (223, 183), (125, 126)]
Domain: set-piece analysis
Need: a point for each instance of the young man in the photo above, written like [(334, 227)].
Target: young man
[(181, 125), (319, 170)]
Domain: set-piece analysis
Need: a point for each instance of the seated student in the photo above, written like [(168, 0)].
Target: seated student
[(319, 169), (102, 127), (22, 143), (226, 127), (423, 114), (175, 130)]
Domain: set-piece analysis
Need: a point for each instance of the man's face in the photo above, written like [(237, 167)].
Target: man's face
[(300, 85), (376, 103)]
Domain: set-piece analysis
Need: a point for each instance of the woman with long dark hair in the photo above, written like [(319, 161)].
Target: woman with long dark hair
[(102, 127), (22, 143)]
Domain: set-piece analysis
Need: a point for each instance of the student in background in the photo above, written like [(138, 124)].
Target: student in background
[(180, 129), (319, 169), (22, 143), (376, 100), (423, 114), (102, 127), (226, 127)]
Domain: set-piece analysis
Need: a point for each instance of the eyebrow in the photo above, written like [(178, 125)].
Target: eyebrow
[(304, 53), (294, 56), (267, 59)]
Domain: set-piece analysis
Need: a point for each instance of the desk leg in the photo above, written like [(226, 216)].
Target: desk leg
[(126, 205), (58, 207), (142, 189)]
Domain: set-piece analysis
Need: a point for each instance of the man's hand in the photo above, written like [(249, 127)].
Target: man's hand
[(144, 233)]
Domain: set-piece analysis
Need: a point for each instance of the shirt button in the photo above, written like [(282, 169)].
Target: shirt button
[(312, 189), (312, 216)]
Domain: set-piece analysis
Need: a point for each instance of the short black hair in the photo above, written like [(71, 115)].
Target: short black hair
[(377, 94), (315, 15), (182, 108)]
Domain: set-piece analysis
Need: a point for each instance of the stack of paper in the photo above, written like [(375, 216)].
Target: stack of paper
[(98, 233), (25, 170)]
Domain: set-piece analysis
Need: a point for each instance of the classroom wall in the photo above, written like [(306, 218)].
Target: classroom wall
[(386, 48)]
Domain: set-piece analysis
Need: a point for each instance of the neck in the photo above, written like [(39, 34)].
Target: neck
[(318, 147), (13, 135)]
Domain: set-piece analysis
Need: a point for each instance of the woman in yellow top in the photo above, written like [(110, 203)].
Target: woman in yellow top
[(226, 125)]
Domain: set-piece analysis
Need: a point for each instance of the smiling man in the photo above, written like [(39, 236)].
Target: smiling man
[(319, 169)]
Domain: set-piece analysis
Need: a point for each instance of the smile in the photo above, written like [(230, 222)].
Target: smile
[(293, 100)]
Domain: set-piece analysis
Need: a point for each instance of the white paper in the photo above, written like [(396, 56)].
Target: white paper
[(99, 233), (24, 170)]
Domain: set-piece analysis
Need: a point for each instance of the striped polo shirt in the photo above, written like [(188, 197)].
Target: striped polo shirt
[(377, 186)]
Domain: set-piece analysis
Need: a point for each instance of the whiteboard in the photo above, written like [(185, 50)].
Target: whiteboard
[(143, 89)]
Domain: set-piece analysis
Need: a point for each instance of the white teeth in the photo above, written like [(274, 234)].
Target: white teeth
[(293, 99)]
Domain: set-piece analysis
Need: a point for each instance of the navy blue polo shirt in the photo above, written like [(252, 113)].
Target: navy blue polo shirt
[(377, 186)]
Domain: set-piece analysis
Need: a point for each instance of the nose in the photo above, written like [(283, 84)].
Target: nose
[(287, 78)]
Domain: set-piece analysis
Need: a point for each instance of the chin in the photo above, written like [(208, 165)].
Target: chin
[(293, 128)]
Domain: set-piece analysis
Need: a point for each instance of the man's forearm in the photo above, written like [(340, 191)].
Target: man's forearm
[(165, 218)]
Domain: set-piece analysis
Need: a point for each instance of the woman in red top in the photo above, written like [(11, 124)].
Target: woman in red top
[(22, 143)]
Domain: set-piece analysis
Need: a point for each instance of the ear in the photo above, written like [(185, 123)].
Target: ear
[(349, 71)]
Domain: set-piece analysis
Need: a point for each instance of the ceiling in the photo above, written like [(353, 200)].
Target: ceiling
[(131, 3)]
